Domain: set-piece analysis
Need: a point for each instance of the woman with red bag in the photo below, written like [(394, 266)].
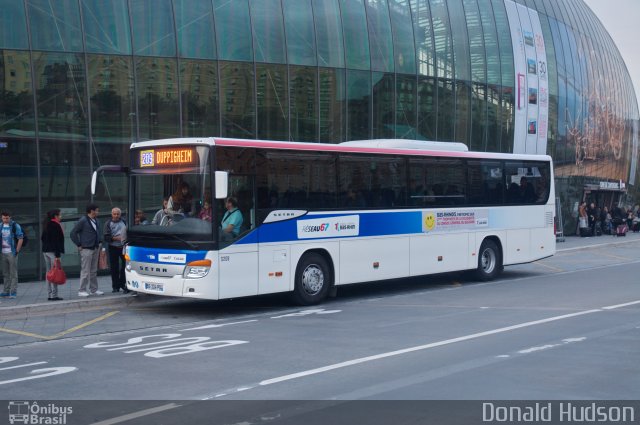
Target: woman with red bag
[(52, 247)]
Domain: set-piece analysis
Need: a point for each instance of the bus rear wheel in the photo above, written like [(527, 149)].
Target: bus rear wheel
[(313, 279), (489, 261)]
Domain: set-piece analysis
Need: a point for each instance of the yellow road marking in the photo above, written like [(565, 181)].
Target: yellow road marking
[(59, 334)]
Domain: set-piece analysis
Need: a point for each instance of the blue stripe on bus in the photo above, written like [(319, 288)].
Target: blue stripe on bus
[(371, 224), (151, 255)]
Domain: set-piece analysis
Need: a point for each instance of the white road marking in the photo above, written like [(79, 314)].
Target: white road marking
[(612, 307), (422, 347), (308, 312), (540, 348), (141, 413), (22, 365), (220, 325)]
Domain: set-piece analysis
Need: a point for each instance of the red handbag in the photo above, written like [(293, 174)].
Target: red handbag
[(56, 274)]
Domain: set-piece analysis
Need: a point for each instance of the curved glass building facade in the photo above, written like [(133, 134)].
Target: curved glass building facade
[(81, 79)]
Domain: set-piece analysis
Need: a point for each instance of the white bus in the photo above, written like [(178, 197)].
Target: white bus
[(315, 216)]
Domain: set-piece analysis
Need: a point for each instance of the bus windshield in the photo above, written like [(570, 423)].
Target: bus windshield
[(172, 203)]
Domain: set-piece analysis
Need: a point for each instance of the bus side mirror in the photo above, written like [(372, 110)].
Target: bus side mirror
[(94, 181), (222, 184)]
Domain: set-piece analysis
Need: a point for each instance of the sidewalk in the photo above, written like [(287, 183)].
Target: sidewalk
[(32, 296)]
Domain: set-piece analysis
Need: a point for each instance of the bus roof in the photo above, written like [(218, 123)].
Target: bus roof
[(376, 146)]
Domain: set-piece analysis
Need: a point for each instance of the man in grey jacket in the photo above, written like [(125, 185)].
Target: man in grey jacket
[(115, 234), (87, 236)]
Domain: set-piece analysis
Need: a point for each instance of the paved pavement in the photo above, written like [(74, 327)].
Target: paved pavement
[(32, 296)]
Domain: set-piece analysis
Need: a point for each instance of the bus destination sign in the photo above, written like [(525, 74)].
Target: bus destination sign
[(168, 157)]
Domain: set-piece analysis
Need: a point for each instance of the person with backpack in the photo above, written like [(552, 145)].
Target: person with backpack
[(52, 246), (12, 243)]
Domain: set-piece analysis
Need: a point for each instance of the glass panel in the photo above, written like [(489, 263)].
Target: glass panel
[(354, 22), (527, 182), (268, 31), (371, 182), (427, 108), (425, 48), (463, 112), (18, 154), (328, 33), (380, 37), (442, 39), (486, 183), (446, 111), (436, 182), (153, 32), (157, 98), (332, 105), (477, 50), (301, 39), (233, 30), (303, 94), (492, 53), (106, 26), (460, 40), (55, 25), (383, 105), (272, 101), (113, 109), (298, 180), (194, 26), (13, 25), (406, 87), (479, 121), (237, 89), (62, 111), (404, 48), (200, 99), (359, 105)]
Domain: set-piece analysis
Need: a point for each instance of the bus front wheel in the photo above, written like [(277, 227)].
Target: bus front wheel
[(489, 261), (313, 279)]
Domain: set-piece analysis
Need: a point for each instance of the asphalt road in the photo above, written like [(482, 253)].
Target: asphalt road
[(564, 328)]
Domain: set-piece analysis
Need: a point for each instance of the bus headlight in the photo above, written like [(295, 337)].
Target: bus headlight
[(197, 269), (127, 262)]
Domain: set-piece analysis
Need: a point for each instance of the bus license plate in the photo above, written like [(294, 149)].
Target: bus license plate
[(156, 287)]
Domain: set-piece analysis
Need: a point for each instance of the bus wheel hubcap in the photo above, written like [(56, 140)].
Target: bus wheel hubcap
[(312, 279), (488, 260)]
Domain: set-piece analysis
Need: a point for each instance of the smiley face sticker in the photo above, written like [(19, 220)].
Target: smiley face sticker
[(428, 221)]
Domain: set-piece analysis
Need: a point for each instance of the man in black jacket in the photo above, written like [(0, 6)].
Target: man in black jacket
[(87, 236)]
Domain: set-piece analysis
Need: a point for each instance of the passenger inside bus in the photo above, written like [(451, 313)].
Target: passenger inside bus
[(181, 202), (231, 220)]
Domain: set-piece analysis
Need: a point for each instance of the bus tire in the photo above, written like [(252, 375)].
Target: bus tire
[(313, 279), (489, 261)]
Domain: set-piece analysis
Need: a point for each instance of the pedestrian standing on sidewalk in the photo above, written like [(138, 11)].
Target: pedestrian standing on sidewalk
[(52, 246), (86, 235), (115, 234), (12, 236)]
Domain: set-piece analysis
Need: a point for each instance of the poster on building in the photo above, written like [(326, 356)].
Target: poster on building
[(530, 61)]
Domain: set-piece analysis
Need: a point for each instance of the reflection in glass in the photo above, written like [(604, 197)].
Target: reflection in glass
[(106, 26), (153, 32), (329, 33), (13, 25), (425, 47), (406, 108), (236, 99), (233, 30), (55, 25), (383, 105), (272, 102), (158, 108), (358, 105), (61, 94), (332, 105), (200, 99), (460, 40), (268, 31), (404, 50), (356, 39), (303, 95), (446, 111), (380, 37), (194, 26), (111, 95), (427, 107), (301, 38), (442, 39), (463, 112)]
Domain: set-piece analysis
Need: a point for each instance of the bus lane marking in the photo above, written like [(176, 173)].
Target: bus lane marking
[(302, 313), (60, 334), (35, 373), (139, 414)]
